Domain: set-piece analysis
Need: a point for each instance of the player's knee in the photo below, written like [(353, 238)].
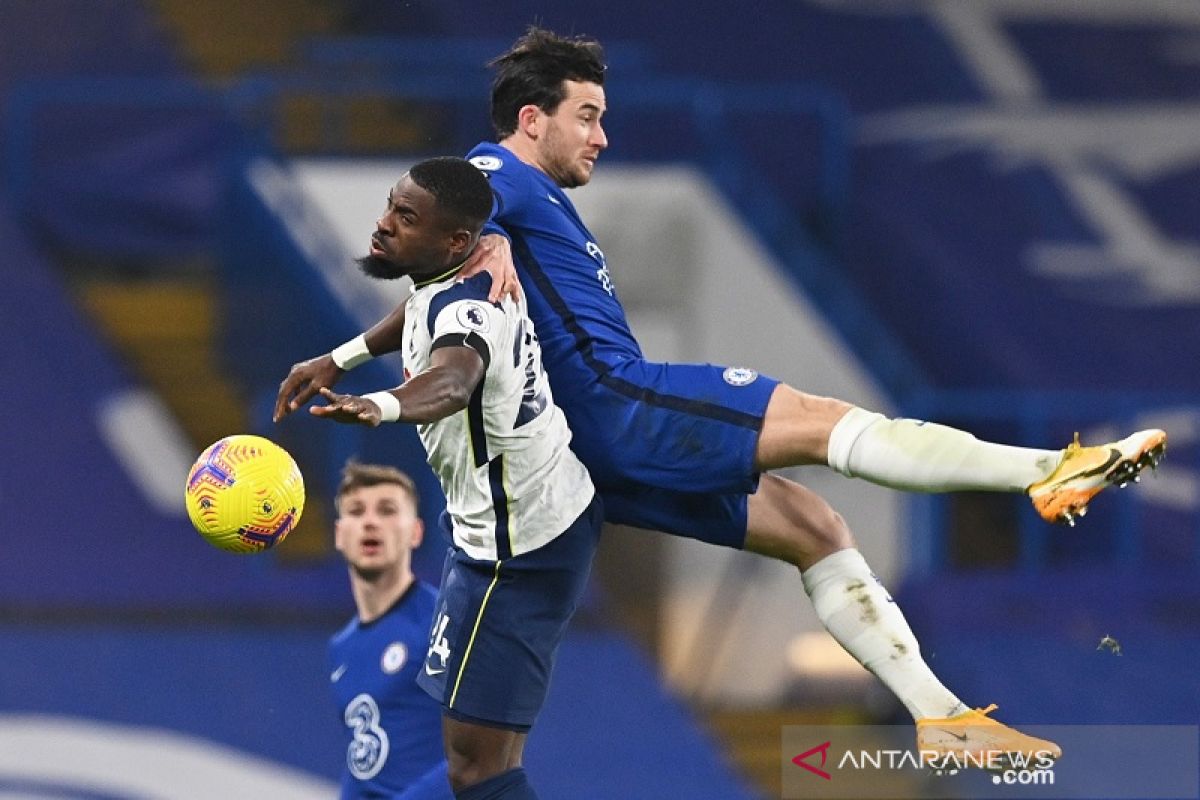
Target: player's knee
[(825, 531), (807, 527), (830, 532), (472, 759), (465, 773), (469, 768)]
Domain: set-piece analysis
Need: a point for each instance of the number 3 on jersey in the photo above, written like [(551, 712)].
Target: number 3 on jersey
[(368, 750)]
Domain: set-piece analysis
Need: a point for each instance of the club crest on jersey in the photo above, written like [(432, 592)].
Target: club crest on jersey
[(394, 656), (473, 316), (739, 376), (487, 163)]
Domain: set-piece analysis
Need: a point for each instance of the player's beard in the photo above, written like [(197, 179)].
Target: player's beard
[(558, 160), (380, 267)]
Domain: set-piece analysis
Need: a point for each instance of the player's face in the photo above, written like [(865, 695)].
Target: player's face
[(411, 237), (572, 137), (377, 528)]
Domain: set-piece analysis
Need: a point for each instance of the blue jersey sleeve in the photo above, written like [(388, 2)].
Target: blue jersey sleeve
[(492, 227)]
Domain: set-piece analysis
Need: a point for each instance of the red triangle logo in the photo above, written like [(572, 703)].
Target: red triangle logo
[(823, 749)]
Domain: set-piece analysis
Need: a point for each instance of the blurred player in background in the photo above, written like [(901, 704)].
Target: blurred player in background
[(680, 447), (393, 727), (521, 510)]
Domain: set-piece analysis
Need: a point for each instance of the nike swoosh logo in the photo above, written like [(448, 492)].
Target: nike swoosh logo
[(962, 737), (432, 672), (337, 673), (1114, 455)]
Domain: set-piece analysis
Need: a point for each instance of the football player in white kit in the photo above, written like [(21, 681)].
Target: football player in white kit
[(520, 507)]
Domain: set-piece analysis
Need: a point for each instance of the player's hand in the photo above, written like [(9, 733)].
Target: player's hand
[(302, 383), (493, 255), (348, 408)]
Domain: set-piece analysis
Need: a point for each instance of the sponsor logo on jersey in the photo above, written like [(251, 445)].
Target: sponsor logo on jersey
[(739, 376), (595, 252), (487, 163), (472, 315), (369, 745), (394, 657), (602, 274)]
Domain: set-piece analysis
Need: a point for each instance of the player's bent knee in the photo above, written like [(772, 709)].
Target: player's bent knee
[(793, 523), (475, 753), (832, 533), (469, 769)]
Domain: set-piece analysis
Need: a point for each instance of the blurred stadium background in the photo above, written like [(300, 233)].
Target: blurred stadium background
[(979, 211)]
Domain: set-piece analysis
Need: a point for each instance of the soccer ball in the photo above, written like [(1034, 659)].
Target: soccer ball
[(244, 494)]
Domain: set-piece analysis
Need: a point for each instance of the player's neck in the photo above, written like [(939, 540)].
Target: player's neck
[(524, 148), (375, 595), (429, 278)]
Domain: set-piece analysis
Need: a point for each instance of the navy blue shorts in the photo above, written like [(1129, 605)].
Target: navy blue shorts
[(499, 623), (671, 446)]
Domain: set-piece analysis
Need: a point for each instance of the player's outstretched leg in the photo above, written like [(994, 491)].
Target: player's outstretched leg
[(919, 456), (790, 522)]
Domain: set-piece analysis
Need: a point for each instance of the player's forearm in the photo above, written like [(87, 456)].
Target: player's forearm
[(385, 336), (436, 393)]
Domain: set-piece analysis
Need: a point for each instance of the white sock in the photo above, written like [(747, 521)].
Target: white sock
[(858, 612), (925, 457)]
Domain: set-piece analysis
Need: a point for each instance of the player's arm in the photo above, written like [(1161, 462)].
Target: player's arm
[(441, 390), (492, 254), (305, 378)]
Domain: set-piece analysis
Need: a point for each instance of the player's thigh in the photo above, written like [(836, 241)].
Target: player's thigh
[(792, 523), (796, 428)]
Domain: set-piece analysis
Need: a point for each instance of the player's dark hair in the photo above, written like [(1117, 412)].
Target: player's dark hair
[(463, 194), (533, 71), (360, 476)]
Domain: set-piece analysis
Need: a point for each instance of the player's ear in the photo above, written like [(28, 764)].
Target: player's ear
[(418, 533), (529, 120), (339, 536), (461, 241)]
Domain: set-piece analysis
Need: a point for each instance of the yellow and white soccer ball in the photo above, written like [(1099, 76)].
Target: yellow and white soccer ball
[(244, 494)]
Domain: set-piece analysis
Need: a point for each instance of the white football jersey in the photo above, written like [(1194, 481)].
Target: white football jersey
[(511, 482)]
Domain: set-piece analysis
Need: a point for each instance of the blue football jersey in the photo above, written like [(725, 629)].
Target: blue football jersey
[(642, 428), (393, 728), (572, 301)]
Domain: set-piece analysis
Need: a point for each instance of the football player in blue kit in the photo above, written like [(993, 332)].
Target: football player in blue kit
[(393, 727), (521, 511), (686, 448)]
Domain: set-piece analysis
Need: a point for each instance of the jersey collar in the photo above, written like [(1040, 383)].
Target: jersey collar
[(439, 278)]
